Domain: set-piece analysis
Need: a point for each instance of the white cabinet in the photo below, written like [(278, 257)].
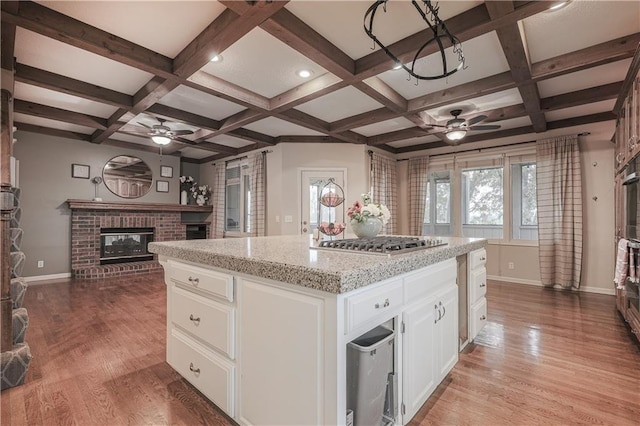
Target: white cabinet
[(281, 354), (430, 348), (477, 281), (201, 330)]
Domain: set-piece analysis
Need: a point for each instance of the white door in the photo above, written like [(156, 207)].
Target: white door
[(419, 368), (312, 212)]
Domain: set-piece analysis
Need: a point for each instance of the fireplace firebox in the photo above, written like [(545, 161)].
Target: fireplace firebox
[(124, 245)]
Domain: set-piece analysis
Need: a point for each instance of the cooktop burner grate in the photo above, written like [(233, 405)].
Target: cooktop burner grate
[(381, 245)]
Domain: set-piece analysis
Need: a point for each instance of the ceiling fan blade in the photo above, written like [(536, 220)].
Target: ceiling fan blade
[(144, 125), (485, 127), (181, 132), (436, 125), (476, 119)]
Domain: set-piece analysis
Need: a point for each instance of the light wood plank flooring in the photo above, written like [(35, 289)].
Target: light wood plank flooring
[(546, 357)]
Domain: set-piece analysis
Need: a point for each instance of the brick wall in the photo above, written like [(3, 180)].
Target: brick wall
[(85, 239)]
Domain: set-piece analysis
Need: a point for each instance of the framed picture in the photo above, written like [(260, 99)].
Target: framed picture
[(162, 186), (80, 171), (166, 171)]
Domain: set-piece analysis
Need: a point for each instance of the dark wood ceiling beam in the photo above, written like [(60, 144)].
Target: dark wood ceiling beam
[(180, 116), (42, 20), (43, 130), (208, 83), (250, 135), (308, 139), (465, 26), (398, 135), (236, 121), (383, 93), (363, 119), (516, 55), (306, 92), (225, 30), (559, 124), (51, 113), (289, 29), (582, 97), (59, 83), (135, 146), (300, 118), (8, 37), (600, 54)]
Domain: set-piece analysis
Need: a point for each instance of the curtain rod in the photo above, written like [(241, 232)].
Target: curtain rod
[(491, 147), (266, 151)]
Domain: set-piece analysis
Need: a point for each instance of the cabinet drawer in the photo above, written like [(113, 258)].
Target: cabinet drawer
[(373, 304), (214, 283), (477, 284), (206, 319), (427, 281), (477, 258), (209, 373), (477, 317)]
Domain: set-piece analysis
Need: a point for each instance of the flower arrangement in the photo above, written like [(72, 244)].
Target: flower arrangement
[(186, 182), (361, 211), (201, 193)]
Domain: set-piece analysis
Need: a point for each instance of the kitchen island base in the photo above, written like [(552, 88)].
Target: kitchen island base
[(268, 352)]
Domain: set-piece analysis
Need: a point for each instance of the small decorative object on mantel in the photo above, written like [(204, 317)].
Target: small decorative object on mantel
[(185, 185), (367, 217), (201, 193), (96, 181)]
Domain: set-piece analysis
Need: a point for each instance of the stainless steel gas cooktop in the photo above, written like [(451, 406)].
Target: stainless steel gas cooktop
[(386, 245)]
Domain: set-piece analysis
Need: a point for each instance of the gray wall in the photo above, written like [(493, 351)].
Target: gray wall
[(46, 183)]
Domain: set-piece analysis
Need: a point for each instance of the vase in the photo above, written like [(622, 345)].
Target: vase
[(200, 200), (368, 228), (183, 197)]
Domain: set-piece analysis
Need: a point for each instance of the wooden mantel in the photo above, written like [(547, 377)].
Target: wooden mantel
[(154, 207)]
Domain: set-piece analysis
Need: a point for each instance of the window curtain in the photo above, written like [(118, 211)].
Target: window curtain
[(418, 178), (383, 184), (218, 200), (257, 185), (559, 194)]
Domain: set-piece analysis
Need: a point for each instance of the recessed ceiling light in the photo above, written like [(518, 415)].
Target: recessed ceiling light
[(304, 73), (216, 58), (558, 5)]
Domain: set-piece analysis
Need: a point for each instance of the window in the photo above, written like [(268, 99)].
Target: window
[(237, 198), (438, 190), (482, 202), (524, 207)]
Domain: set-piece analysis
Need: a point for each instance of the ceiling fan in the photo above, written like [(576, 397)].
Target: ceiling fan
[(162, 134), (457, 128)]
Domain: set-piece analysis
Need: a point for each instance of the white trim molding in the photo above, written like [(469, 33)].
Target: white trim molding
[(521, 281), (48, 277)]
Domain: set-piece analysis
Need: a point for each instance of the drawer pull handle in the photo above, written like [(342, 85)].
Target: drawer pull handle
[(384, 305), (195, 370), (444, 310), (194, 281), (482, 259), (439, 314), (483, 285), (482, 318), (195, 320)]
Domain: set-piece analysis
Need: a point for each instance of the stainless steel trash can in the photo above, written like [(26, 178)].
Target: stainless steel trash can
[(369, 362)]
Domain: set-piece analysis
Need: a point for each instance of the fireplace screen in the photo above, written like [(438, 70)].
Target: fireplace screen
[(120, 245)]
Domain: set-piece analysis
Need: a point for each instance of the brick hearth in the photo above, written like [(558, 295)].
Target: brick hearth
[(87, 219)]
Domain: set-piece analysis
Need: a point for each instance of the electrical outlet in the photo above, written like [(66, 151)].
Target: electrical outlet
[(288, 219), (40, 263), (511, 265)]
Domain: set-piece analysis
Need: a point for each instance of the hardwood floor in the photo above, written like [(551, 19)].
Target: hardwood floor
[(546, 357)]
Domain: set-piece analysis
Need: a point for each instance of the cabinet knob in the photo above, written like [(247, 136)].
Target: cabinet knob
[(192, 368), (194, 319), (194, 281), (384, 305), (482, 318), (483, 285), (483, 258)]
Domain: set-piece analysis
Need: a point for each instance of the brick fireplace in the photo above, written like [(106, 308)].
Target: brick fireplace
[(88, 218)]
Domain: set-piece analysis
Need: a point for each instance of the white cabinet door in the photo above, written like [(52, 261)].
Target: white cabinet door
[(447, 331), (281, 356), (418, 356)]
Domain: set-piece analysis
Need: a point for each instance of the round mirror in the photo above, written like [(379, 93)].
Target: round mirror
[(127, 177)]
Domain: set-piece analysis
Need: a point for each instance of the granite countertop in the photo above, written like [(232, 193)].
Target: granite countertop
[(290, 259)]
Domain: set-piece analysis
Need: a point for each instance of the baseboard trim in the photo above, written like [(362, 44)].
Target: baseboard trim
[(596, 290), (48, 277)]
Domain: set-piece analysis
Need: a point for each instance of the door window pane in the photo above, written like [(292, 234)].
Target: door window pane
[(482, 196)]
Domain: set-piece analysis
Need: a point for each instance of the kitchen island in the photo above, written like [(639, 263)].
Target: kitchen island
[(261, 325)]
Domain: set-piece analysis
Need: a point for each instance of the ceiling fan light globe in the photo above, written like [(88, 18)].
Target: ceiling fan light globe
[(161, 140), (456, 135)]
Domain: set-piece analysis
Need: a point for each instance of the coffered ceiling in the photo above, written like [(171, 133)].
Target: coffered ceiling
[(100, 71)]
